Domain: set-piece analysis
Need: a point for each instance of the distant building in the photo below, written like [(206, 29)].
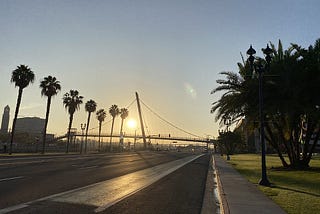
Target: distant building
[(31, 125), (5, 120)]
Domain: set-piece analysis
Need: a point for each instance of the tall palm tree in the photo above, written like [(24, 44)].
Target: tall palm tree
[(101, 115), (50, 87), (71, 101), (113, 111), (123, 114), (22, 76), (90, 107)]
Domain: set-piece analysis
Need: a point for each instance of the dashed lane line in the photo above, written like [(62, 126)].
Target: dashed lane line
[(119, 187), (88, 167), (12, 178)]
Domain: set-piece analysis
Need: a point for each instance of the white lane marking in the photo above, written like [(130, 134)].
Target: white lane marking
[(106, 193), (88, 167), (13, 208), (96, 190), (12, 178)]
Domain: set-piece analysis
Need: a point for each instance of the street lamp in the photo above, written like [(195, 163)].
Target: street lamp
[(227, 122), (260, 69), (83, 127)]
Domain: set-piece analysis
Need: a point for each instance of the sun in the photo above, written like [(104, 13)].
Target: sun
[(132, 123)]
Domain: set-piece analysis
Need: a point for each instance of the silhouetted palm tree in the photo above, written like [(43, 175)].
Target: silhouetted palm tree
[(113, 111), (123, 114), (101, 115), (50, 86), (90, 107), (71, 101), (22, 76)]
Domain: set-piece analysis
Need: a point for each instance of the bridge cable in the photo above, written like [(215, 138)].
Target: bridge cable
[(168, 121), (128, 106)]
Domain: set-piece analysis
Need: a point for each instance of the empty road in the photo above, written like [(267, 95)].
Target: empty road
[(88, 183)]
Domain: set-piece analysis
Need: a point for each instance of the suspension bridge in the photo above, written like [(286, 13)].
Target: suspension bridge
[(143, 133)]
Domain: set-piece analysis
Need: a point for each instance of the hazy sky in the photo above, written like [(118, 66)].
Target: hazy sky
[(170, 51)]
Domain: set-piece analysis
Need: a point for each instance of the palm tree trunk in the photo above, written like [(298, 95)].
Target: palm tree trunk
[(87, 128), (69, 129), (46, 124), (111, 134), (15, 118), (100, 123), (275, 145), (121, 126), (315, 141), (120, 132)]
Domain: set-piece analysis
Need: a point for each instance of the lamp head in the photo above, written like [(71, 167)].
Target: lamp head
[(267, 51), (251, 51)]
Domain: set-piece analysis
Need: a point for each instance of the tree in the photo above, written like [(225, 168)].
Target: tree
[(22, 76), (113, 111), (296, 122), (101, 115), (71, 101), (90, 107), (291, 98), (123, 114), (229, 142), (50, 87)]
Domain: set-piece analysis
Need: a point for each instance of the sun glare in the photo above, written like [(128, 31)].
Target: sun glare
[(132, 123)]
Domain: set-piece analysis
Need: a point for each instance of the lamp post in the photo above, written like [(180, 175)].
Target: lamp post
[(260, 69), (227, 122), (83, 127)]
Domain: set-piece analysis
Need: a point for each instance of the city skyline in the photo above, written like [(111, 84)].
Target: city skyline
[(170, 52)]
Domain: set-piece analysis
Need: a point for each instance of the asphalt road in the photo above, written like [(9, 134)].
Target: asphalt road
[(26, 179), (181, 192)]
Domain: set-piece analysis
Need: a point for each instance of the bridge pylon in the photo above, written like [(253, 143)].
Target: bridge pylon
[(141, 122)]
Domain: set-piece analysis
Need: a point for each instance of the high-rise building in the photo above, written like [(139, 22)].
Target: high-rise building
[(5, 120), (31, 125)]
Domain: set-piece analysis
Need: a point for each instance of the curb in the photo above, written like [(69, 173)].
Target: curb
[(211, 199), (224, 206)]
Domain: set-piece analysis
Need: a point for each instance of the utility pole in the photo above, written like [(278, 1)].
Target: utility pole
[(141, 122)]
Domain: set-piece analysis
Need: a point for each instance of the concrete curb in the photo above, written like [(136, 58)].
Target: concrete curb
[(224, 207), (211, 201)]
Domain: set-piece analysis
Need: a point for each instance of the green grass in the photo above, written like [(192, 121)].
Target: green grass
[(297, 192)]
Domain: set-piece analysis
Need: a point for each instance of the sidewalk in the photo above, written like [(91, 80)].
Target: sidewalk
[(239, 195)]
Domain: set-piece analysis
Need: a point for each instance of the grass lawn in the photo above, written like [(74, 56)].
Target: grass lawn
[(297, 192)]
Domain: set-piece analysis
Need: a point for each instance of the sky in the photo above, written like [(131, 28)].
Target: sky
[(170, 51)]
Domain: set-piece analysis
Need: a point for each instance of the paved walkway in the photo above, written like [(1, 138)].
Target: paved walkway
[(239, 195)]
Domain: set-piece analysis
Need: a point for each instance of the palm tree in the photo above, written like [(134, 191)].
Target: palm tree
[(123, 114), (22, 76), (101, 115), (290, 97), (113, 111), (71, 101), (50, 86), (90, 107)]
